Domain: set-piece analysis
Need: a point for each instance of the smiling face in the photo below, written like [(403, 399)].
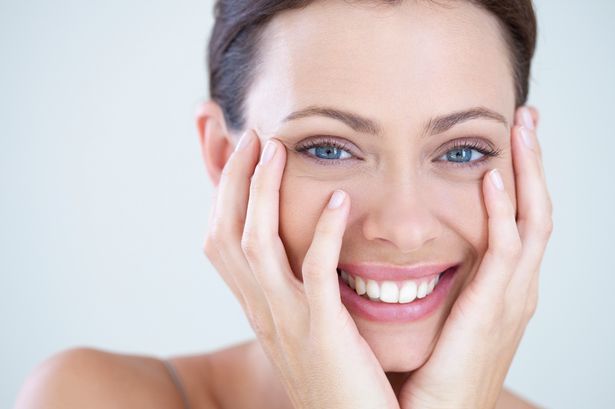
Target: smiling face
[(415, 191)]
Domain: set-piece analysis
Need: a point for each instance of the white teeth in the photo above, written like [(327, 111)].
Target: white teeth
[(360, 286), (422, 291), (407, 292), (431, 285), (389, 292), (373, 289)]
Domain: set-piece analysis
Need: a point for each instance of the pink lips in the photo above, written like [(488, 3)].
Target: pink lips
[(381, 272), (396, 312)]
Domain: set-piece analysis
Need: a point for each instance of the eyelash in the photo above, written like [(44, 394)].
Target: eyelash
[(315, 143), (486, 151)]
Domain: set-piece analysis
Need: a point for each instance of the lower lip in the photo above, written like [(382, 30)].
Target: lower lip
[(395, 312)]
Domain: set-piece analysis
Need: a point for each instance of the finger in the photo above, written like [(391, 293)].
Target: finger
[(504, 244), (529, 171), (531, 121), (528, 117), (534, 207), (228, 225), (319, 268), (261, 242), (211, 251)]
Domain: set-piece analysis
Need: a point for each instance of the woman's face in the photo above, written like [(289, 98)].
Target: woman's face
[(415, 199)]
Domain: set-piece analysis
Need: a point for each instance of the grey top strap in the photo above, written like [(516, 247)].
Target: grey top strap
[(177, 381)]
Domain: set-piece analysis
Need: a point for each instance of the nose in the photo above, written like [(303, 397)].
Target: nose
[(403, 217)]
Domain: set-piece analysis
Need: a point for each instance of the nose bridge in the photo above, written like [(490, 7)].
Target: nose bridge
[(402, 214)]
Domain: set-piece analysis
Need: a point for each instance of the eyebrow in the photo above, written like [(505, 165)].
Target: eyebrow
[(434, 126)]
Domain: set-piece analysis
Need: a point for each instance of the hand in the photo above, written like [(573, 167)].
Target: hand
[(304, 328), (480, 337)]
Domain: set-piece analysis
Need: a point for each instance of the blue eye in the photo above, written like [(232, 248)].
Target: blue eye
[(468, 153), (462, 155), (326, 151)]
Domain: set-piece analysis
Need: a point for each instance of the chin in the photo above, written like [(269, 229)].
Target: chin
[(405, 347)]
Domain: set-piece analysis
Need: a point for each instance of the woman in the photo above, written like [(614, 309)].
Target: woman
[(386, 244)]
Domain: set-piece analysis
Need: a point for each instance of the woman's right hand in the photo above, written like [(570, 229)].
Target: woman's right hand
[(304, 328)]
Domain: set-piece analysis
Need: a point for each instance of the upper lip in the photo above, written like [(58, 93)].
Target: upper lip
[(380, 272)]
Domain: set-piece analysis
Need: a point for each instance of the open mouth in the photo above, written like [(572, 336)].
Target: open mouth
[(393, 292)]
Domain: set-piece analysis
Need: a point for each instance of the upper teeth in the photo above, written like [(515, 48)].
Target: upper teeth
[(391, 291)]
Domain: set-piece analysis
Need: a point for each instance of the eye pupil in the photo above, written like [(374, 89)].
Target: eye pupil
[(460, 155), (327, 152)]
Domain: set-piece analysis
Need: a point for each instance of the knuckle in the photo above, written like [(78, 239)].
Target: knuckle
[(514, 248), (310, 266), (227, 230), (219, 233), (510, 249), (257, 184), (530, 307), (547, 227), (325, 229), (209, 248), (249, 244), (215, 232)]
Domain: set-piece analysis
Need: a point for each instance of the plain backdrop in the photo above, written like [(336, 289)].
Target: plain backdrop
[(104, 197)]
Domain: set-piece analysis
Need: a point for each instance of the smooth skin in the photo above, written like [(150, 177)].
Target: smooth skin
[(313, 56), (310, 336), (98, 378)]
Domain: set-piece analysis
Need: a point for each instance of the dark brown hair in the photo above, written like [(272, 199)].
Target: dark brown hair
[(233, 46)]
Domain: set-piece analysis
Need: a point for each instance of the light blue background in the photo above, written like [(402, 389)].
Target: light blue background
[(104, 197)]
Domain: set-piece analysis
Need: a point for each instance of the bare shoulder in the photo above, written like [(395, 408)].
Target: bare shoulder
[(236, 376), (510, 400), (93, 378)]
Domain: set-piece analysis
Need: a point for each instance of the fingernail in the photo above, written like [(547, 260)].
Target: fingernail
[(526, 117), (496, 179), (337, 198), (268, 152), (244, 141), (527, 138)]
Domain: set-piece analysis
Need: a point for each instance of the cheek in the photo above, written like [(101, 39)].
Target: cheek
[(459, 207), (301, 203), (462, 211)]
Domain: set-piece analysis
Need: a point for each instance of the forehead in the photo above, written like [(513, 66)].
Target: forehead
[(401, 64)]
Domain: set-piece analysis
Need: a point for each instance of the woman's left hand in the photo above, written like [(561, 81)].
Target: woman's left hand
[(480, 337)]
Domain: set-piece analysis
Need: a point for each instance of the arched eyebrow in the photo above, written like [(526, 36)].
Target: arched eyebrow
[(434, 126)]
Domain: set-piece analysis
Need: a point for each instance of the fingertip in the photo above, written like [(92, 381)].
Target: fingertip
[(492, 194), (244, 141), (535, 114), (495, 178), (337, 199)]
